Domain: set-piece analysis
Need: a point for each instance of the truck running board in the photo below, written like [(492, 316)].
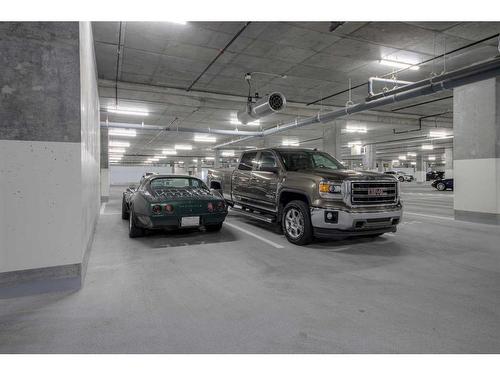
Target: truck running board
[(253, 215)]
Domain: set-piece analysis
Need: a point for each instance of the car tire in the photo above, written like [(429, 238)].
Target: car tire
[(441, 186), (133, 230), (296, 223), (213, 227), (125, 212)]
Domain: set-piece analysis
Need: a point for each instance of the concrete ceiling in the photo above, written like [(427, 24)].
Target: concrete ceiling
[(160, 61)]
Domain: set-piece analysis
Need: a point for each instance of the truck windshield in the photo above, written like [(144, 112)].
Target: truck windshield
[(304, 159)]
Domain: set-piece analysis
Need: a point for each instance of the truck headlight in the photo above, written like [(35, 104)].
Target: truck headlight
[(330, 190)]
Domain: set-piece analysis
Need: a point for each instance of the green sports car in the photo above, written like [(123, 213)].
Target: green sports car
[(171, 202)]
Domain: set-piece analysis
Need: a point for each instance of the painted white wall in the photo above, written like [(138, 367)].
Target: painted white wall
[(41, 216), (126, 175), (476, 185), (90, 137)]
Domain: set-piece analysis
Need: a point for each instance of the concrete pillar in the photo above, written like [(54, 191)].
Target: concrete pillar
[(420, 169), (198, 168), (369, 161), (476, 148), (448, 167), (49, 155), (172, 166), (380, 166), (217, 159), (104, 165), (332, 139)]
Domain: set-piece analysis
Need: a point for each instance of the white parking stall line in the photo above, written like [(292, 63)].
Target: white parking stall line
[(432, 216), (274, 244)]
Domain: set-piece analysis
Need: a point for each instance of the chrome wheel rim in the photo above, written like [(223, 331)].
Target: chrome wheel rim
[(294, 223)]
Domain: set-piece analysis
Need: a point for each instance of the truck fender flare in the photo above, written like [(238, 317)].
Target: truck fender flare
[(288, 190)]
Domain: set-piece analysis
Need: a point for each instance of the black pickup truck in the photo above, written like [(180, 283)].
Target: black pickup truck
[(309, 194)]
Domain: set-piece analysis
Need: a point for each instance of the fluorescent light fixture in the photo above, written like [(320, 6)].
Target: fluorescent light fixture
[(398, 64), (395, 161), (127, 111), (355, 129), (122, 132), (209, 158), (147, 161), (195, 160), (178, 22), (154, 159), (118, 144), (289, 143), (402, 157), (432, 158), (227, 153), (411, 154), (183, 147), (437, 134), (354, 143), (116, 150), (427, 147), (204, 138), (234, 121), (115, 158), (169, 152), (413, 163), (444, 161)]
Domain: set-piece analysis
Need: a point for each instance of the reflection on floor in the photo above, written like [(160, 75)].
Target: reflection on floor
[(432, 287)]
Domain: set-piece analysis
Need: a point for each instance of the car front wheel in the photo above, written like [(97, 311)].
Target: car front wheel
[(296, 223), (441, 186)]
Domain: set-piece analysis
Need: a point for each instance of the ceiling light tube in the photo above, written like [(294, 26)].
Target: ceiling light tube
[(204, 138), (437, 134), (183, 147), (116, 150), (118, 144), (398, 64), (427, 147), (169, 152), (122, 132), (127, 111)]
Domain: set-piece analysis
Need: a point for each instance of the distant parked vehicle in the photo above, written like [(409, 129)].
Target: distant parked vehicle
[(401, 176), (443, 184), (434, 175)]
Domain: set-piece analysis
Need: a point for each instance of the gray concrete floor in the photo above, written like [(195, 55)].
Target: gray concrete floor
[(432, 287)]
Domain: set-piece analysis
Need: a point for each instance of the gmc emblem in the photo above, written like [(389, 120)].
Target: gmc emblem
[(376, 191)]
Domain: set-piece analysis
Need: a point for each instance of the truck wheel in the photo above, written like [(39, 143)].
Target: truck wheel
[(296, 223), (125, 213), (133, 230), (213, 227), (441, 186)]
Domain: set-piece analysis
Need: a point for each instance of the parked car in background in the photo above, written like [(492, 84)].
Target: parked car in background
[(401, 176), (308, 193), (172, 202), (434, 175), (441, 185)]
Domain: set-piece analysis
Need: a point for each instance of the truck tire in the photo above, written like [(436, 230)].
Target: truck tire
[(296, 223), (441, 186), (125, 213), (133, 230)]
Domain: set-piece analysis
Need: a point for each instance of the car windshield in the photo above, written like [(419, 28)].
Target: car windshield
[(176, 183), (295, 160)]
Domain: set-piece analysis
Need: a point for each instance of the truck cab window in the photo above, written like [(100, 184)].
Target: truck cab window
[(267, 159), (247, 161)]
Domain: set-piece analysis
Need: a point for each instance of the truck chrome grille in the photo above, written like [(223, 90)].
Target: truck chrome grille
[(371, 193)]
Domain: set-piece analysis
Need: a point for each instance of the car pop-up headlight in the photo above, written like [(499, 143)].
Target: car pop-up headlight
[(330, 189)]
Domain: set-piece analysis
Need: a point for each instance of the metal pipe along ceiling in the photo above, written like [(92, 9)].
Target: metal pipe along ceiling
[(473, 73)]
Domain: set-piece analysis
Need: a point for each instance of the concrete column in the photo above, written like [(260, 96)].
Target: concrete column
[(332, 138), (104, 165), (476, 148), (49, 155), (369, 161), (448, 167), (380, 166), (172, 166), (217, 159), (420, 169), (198, 168)]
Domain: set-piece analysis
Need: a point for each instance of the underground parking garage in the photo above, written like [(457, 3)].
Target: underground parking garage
[(206, 187)]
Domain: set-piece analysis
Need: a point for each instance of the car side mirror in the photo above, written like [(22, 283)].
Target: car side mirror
[(264, 168)]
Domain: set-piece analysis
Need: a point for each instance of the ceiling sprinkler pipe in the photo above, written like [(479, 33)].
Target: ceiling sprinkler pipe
[(265, 106), (371, 80), (473, 73)]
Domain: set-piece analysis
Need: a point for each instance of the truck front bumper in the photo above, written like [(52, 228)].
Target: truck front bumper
[(340, 222)]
